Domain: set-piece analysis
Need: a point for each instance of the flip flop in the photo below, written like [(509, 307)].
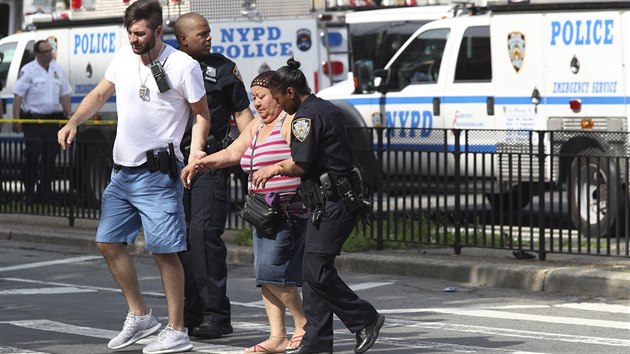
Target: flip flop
[(294, 342)]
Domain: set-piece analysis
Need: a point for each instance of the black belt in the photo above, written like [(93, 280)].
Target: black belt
[(55, 115), (118, 167)]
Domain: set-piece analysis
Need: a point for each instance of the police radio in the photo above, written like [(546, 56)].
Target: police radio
[(160, 76)]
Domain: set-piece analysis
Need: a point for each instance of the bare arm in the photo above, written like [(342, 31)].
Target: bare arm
[(90, 105), (229, 156), (66, 105), (243, 118), (17, 105), (200, 130)]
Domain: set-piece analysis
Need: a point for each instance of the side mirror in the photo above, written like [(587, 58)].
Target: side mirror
[(382, 80), (363, 72)]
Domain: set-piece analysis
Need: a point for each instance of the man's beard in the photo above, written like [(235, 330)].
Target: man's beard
[(146, 48)]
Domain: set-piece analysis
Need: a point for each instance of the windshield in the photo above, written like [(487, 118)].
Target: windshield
[(7, 52), (380, 41), (420, 61)]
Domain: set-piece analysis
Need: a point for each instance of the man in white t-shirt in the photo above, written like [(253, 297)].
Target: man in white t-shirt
[(152, 115)]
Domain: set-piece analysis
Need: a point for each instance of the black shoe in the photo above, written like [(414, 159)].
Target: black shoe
[(212, 330), (300, 349), (191, 325), (367, 336)]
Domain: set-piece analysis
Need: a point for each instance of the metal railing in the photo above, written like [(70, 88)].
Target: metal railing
[(539, 191)]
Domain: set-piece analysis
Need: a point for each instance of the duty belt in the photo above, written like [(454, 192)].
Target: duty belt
[(118, 167)]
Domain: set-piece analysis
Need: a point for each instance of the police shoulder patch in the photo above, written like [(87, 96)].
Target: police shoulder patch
[(237, 73), (301, 127)]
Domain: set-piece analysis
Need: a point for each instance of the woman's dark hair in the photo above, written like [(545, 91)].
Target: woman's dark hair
[(290, 75), (149, 10)]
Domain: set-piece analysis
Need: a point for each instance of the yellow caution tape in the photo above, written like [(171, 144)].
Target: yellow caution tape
[(57, 121)]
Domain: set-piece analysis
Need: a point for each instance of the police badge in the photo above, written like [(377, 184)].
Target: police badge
[(516, 49), (210, 74), (301, 128), (304, 39)]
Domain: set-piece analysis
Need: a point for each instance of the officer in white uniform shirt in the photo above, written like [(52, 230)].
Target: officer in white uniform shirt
[(41, 91)]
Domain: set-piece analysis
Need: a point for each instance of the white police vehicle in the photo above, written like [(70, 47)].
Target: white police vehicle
[(541, 65)]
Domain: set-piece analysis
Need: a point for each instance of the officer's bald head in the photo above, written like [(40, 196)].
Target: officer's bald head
[(186, 22)]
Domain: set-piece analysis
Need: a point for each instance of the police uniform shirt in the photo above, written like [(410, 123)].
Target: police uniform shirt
[(41, 89), (319, 138), (225, 91)]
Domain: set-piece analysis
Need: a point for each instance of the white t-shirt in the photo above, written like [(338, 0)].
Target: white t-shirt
[(151, 122), (41, 89)]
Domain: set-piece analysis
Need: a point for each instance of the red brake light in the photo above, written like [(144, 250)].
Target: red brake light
[(575, 105), (335, 66)]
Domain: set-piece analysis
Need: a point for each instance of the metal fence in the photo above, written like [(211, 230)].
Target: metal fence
[(538, 191)]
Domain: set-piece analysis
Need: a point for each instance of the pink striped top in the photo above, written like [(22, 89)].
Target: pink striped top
[(268, 152)]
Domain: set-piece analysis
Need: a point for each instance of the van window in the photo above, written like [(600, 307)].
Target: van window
[(473, 60), (420, 62), (7, 52), (29, 54), (379, 41)]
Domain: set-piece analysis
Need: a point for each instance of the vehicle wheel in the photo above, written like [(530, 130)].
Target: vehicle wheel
[(595, 195), (514, 199)]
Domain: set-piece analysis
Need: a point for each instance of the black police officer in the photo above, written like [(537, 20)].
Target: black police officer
[(207, 308), (319, 146)]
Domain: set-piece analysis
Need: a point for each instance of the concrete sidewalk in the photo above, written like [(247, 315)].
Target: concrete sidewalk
[(591, 276)]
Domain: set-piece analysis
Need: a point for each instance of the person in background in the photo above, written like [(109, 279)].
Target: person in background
[(153, 108), (320, 152), (207, 312), (41, 91), (277, 257)]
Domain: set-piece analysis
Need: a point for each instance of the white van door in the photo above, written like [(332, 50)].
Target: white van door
[(518, 59), (585, 52)]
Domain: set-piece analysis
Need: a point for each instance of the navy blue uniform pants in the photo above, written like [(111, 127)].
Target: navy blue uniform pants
[(205, 268), (324, 292)]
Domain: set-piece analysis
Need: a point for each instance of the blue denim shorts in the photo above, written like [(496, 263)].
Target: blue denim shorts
[(137, 197), (278, 257)]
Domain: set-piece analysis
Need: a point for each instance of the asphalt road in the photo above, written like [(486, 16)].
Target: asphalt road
[(63, 300)]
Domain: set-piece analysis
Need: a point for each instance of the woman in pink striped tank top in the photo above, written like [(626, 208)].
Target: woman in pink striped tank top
[(277, 257)]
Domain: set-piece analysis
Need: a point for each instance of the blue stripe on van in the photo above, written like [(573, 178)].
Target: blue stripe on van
[(516, 100)]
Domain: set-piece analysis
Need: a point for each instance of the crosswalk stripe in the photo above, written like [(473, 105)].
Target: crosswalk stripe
[(59, 327), (49, 263), (13, 350), (486, 313), (507, 332), (597, 307), (46, 291)]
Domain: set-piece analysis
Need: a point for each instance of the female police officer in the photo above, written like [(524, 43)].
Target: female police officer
[(322, 157)]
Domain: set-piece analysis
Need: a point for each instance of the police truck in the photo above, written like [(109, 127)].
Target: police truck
[(509, 68)]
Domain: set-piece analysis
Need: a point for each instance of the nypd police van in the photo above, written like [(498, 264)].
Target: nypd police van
[(513, 66)]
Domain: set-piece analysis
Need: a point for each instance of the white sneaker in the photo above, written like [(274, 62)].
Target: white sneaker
[(134, 329), (169, 340)]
